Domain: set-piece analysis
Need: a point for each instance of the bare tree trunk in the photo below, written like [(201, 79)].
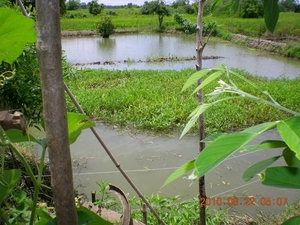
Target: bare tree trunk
[(199, 50), (55, 116)]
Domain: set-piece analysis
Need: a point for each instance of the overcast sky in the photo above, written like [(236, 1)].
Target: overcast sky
[(122, 2)]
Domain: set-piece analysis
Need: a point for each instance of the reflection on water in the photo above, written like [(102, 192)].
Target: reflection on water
[(140, 47)]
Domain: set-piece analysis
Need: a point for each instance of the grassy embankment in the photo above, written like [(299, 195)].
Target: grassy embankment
[(288, 24), (153, 101)]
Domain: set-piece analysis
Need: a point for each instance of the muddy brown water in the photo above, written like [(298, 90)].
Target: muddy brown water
[(149, 161)]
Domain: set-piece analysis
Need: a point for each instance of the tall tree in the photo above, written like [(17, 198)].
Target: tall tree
[(157, 7), (54, 104), (73, 4), (95, 8)]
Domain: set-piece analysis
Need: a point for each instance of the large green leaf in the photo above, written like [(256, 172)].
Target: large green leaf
[(258, 167), (84, 213), (282, 177), (292, 221), (290, 132), (216, 4), (223, 147), (85, 217), (209, 80), (8, 180), (194, 117), (268, 144), (235, 5), (290, 158), (180, 171), (77, 123), (193, 79), (17, 136), (15, 32), (271, 13)]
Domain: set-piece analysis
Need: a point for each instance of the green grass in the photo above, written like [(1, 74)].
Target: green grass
[(153, 101), (288, 23)]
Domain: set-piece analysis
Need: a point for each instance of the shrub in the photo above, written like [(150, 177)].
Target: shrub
[(95, 8), (187, 26), (23, 90), (251, 9), (105, 27), (73, 4), (111, 12)]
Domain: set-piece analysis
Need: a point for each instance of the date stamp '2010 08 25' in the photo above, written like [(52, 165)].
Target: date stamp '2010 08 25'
[(244, 201)]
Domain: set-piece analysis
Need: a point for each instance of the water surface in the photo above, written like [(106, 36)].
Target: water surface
[(127, 49)]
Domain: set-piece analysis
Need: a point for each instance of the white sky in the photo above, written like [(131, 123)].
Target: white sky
[(122, 2), (117, 2)]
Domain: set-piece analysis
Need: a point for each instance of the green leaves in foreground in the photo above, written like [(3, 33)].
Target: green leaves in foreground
[(181, 171), (258, 167), (8, 180), (223, 147), (77, 123), (290, 132), (15, 32), (271, 13), (85, 217), (282, 177), (220, 149)]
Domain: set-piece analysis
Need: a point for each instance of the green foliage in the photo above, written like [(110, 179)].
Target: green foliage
[(157, 7), (8, 181), (173, 211), (73, 4), (95, 8), (292, 51), (23, 90), (189, 27), (15, 31), (75, 14), (26, 209), (251, 9), (222, 146), (105, 27), (169, 209), (120, 98), (77, 123), (186, 25), (104, 199), (111, 12)]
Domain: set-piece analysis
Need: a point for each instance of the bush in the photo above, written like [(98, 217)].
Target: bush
[(105, 27), (187, 26), (95, 8), (111, 12), (251, 9), (23, 90), (73, 4)]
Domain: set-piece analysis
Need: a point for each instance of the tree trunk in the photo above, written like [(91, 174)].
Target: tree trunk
[(199, 50), (160, 21), (55, 116)]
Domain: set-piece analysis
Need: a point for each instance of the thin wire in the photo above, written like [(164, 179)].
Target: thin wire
[(233, 189)]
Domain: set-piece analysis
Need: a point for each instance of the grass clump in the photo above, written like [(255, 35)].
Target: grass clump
[(152, 100)]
